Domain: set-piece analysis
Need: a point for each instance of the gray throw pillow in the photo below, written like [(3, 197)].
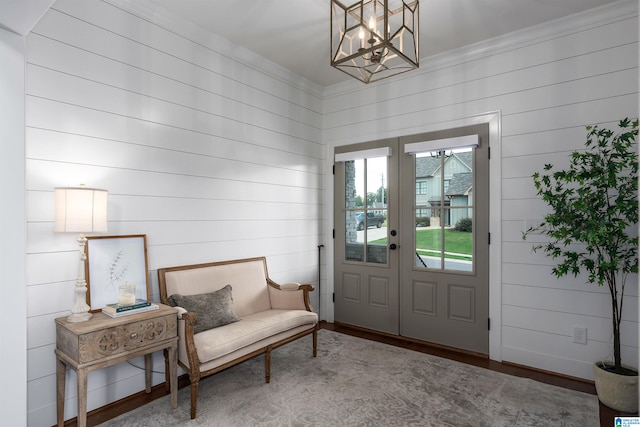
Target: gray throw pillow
[(212, 310)]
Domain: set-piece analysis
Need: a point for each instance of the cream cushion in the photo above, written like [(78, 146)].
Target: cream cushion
[(219, 342)]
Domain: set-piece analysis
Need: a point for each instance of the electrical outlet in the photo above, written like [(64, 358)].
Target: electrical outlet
[(579, 335)]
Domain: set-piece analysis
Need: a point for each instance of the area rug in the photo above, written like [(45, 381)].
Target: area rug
[(356, 382)]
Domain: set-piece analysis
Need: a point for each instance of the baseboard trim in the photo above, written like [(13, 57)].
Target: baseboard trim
[(560, 376)]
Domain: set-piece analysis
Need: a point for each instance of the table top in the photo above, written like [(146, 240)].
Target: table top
[(100, 320)]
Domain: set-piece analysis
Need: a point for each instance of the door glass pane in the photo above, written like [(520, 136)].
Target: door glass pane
[(458, 241), (444, 210), (366, 210), (354, 249), (428, 240)]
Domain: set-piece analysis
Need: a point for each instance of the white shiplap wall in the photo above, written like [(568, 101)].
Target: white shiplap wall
[(204, 153), (547, 83), (214, 158)]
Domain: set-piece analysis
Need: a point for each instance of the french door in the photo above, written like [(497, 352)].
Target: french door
[(423, 272), (368, 294)]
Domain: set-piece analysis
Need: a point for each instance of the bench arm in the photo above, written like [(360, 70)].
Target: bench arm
[(186, 342), (290, 296)]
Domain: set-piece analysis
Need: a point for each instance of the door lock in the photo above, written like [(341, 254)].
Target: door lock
[(393, 246)]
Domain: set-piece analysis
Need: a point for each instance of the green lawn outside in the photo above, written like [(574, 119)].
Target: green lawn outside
[(455, 241), (429, 240)]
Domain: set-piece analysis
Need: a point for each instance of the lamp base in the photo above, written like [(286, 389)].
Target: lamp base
[(80, 311), (79, 317)]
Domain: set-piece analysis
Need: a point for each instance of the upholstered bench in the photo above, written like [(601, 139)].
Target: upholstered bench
[(232, 311)]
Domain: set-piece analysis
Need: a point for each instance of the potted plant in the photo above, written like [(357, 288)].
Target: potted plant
[(592, 229)]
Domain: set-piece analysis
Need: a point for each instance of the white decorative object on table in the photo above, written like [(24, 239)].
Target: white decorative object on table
[(80, 210), (127, 295)]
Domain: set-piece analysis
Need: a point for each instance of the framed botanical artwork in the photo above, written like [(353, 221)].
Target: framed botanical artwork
[(114, 261)]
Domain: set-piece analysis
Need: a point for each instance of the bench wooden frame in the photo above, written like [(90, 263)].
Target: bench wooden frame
[(193, 368)]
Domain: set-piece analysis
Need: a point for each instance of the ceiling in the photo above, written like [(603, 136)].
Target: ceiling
[(295, 33)]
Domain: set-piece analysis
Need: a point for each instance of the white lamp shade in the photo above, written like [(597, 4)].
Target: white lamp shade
[(81, 210)]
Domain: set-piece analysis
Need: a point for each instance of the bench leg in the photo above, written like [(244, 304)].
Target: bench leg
[(315, 342), (267, 365), (194, 397)]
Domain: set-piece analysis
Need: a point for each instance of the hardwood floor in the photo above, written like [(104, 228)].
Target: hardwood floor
[(607, 415)]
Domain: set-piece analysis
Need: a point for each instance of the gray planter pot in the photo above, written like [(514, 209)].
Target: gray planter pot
[(619, 392)]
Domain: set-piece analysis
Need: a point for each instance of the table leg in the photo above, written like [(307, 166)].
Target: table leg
[(61, 376), (82, 397), (167, 379), (173, 374), (147, 372)]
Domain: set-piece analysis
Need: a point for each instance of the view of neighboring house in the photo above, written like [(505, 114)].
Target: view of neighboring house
[(453, 174)]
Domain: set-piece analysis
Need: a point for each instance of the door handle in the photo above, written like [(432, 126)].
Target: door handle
[(393, 246)]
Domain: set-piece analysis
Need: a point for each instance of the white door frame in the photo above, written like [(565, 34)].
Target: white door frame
[(493, 118)]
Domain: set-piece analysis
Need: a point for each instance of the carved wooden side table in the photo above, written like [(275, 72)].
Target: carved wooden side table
[(104, 341)]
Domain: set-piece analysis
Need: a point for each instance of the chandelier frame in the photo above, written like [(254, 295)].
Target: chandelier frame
[(375, 39)]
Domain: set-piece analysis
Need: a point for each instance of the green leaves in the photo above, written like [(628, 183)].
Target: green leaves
[(594, 203), (593, 224)]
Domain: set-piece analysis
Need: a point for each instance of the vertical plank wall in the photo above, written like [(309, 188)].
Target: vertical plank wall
[(547, 83), (208, 156)]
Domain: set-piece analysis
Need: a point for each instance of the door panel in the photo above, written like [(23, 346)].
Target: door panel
[(444, 265), (366, 270)]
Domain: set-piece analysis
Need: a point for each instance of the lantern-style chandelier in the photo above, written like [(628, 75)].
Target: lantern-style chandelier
[(374, 39)]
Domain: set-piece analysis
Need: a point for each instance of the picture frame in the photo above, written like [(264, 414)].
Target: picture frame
[(112, 261)]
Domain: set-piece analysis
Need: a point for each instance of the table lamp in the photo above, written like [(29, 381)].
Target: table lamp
[(80, 210)]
